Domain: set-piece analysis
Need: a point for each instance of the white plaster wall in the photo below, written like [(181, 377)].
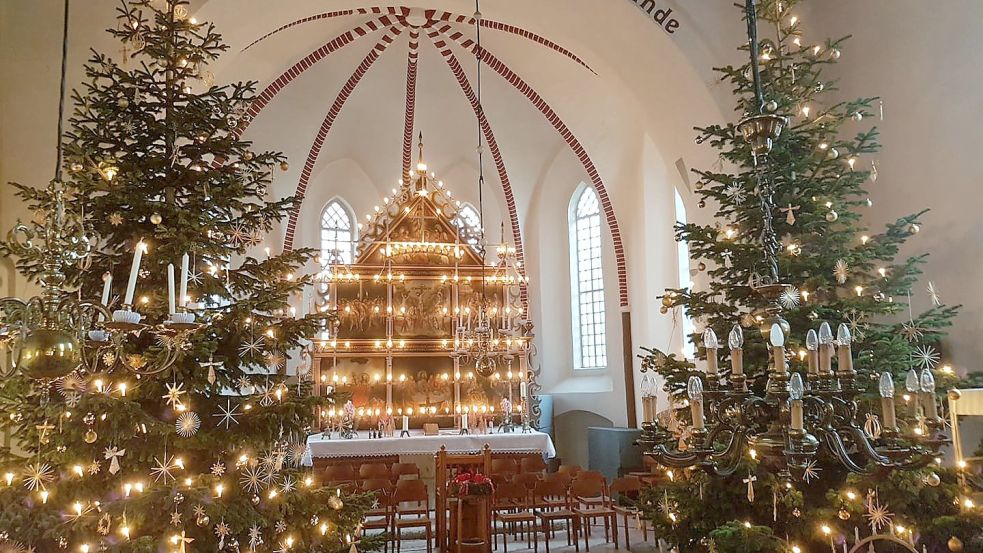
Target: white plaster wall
[(922, 59)]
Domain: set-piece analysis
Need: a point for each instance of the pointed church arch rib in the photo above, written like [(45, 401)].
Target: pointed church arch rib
[(519, 84), (486, 130), (329, 119)]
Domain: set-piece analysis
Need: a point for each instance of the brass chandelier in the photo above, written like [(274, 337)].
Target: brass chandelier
[(795, 419), (57, 332)]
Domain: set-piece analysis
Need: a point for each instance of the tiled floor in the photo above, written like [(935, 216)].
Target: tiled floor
[(559, 543)]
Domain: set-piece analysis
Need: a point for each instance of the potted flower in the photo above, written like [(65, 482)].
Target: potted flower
[(469, 484)]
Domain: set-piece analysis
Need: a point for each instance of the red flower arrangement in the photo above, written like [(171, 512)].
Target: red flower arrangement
[(471, 484)]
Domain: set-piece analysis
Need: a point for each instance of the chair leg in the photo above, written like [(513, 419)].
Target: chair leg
[(627, 541), (546, 534), (586, 534), (505, 539), (614, 530)]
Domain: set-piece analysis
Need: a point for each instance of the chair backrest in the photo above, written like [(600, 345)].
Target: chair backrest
[(504, 466), (569, 469), (339, 473), (405, 469), (499, 479), (590, 475), (527, 479), (563, 478), (534, 463), (378, 485), (550, 489), (587, 488), (626, 485), (511, 493), (374, 470), (414, 491)]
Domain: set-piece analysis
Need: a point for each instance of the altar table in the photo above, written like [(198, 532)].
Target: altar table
[(419, 444)]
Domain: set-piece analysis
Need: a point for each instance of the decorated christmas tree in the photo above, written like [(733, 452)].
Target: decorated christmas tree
[(837, 272), (181, 429)]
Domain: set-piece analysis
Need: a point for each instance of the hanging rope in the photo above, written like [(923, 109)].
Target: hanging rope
[(61, 94)]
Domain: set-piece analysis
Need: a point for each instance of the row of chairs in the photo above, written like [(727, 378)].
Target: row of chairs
[(576, 497), (526, 502), (345, 473)]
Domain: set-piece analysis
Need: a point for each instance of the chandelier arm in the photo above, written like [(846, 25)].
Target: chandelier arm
[(680, 460), (835, 444), (732, 454), (867, 448)]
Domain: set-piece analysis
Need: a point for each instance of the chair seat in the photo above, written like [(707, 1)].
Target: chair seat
[(515, 517), (625, 510), (595, 512), (376, 524), (559, 513), (409, 522)]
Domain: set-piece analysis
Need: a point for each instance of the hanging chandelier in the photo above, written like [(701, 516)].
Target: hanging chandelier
[(56, 333), (795, 419)]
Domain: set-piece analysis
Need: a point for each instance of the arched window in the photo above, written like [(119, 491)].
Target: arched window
[(587, 281), (682, 258), (468, 221), (337, 233)]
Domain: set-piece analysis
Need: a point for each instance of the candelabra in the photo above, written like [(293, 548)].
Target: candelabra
[(795, 419), (56, 332)]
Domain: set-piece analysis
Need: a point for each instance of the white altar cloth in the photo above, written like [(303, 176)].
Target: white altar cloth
[(419, 444)]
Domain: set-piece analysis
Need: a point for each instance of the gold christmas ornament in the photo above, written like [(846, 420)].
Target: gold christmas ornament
[(156, 218), (933, 479), (91, 436), (843, 514), (284, 166), (955, 544)]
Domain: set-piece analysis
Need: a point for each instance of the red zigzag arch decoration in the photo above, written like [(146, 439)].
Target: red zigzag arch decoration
[(398, 16)]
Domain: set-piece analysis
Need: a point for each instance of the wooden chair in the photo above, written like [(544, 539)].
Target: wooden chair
[(528, 480), (592, 475), (510, 506), (369, 471), (628, 488), (533, 463), (409, 470), (447, 467), (572, 470), (417, 516), (551, 503), (504, 466), (563, 478), (591, 503), (381, 516), (339, 474)]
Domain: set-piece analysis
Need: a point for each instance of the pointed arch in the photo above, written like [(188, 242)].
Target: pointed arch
[(587, 279), (339, 233)]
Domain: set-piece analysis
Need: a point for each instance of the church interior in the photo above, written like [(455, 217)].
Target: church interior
[(472, 276)]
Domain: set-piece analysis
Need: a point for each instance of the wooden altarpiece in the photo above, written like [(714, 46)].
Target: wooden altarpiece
[(401, 345)]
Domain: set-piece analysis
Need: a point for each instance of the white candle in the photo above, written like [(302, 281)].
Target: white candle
[(131, 285), (522, 389), (183, 299), (406, 423), (464, 421), (170, 289), (107, 284)]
